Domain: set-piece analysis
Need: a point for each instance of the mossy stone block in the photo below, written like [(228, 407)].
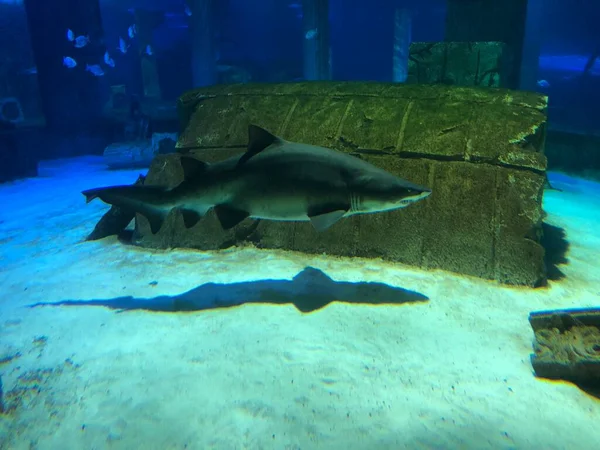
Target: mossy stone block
[(480, 150)]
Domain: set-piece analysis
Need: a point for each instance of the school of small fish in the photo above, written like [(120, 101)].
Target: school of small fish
[(79, 42), (96, 69)]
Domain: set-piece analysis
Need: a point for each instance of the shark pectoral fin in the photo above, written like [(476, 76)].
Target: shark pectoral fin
[(258, 140), (229, 217), (190, 217), (321, 220), (191, 166)]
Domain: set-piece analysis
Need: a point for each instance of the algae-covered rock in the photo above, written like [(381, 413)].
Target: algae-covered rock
[(485, 64), (566, 345), (480, 150)]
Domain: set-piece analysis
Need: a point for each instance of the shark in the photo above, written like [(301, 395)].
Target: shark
[(275, 179)]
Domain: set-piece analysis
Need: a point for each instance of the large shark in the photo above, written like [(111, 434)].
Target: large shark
[(275, 180)]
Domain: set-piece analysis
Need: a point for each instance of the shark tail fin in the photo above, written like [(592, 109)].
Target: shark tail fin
[(114, 194), (133, 198)]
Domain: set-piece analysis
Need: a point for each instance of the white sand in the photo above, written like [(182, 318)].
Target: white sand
[(453, 372)]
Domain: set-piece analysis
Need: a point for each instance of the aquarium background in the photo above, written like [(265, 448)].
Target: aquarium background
[(104, 344), (260, 42), (257, 42)]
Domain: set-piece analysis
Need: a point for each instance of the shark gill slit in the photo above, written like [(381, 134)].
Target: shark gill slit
[(354, 202)]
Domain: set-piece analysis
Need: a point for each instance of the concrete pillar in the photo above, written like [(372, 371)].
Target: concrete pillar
[(402, 39), (145, 23), (317, 47), (204, 66), (490, 20), (72, 99), (531, 48)]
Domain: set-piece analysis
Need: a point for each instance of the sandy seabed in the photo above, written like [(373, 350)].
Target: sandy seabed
[(89, 358)]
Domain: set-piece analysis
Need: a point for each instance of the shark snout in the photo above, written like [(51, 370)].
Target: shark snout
[(426, 192), (416, 193)]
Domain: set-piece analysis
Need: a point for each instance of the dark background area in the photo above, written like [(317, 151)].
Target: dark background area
[(260, 40)]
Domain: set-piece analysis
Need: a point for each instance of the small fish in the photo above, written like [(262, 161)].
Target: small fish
[(543, 83), (122, 45), (69, 62), (95, 69), (81, 41), (295, 6), (132, 31), (70, 35), (187, 10), (148, 51), (311, 34), (30, 71), (108, 60)]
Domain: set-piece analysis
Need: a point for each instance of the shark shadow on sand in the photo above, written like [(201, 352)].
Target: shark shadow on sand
[(308, 291)]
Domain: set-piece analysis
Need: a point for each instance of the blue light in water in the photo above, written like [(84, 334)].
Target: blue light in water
[(568, 63)]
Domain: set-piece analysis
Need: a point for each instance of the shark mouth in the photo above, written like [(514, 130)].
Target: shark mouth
[(421, 196)]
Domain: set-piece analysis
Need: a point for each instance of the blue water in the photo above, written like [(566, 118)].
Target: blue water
[(108, 345)]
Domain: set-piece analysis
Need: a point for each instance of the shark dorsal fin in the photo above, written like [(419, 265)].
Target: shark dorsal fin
[(191, 166), (258, 140)]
